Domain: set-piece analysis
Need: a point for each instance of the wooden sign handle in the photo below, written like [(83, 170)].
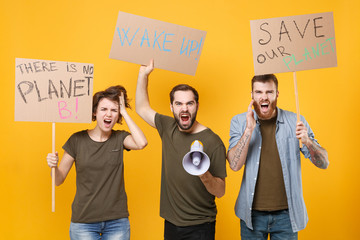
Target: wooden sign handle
[(297, 104), (53, 171)]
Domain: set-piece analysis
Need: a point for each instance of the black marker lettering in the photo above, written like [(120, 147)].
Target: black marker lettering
[(38, 92), (22, 93), (52, 89), (303, 34), (261, 58), (78, 87), (286, 31), (282, 51), (62, 87), (273, 54), (315, 27), (262, 41)]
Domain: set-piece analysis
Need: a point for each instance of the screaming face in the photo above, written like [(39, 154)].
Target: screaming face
[(265, 99), (185, 120), (107, 114), (184, 109)]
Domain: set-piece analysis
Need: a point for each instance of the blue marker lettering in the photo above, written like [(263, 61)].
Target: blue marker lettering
[(125, 36), (143, 38), (200, 45), (164, 49), (191, 48), (186, 49), (156, 40)]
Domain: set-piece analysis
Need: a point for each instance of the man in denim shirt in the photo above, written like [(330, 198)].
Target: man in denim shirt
[(267, 142)]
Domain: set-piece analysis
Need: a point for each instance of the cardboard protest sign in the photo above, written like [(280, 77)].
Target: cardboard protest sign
[(53, 91), (294, 43), (138, 39)]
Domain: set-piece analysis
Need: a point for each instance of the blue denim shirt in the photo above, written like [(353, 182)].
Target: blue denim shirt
[(289, 151)]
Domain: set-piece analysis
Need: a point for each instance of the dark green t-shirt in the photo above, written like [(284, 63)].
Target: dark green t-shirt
[(270, 194), (100, 192), (184, 200)]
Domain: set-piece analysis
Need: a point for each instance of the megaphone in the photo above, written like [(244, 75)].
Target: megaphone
[(196, 162)]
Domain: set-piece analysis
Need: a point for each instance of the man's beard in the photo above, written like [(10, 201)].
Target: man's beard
[(192, 120), (272, 107)]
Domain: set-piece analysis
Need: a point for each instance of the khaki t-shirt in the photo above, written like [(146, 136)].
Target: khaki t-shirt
[(184, 200), (100, 192), (270, 194)]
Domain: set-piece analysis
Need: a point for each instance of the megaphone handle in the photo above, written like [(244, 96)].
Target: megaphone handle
[(196, 157)]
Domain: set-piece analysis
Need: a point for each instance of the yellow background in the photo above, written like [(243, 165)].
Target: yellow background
[(82, 31)]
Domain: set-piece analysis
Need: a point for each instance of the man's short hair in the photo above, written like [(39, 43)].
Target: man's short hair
[(183, 87), (263, 79)]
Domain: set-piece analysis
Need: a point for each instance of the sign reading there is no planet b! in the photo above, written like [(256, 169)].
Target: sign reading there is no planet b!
[(53, 91)]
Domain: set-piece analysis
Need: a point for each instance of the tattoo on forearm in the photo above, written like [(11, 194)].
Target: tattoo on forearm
[(239, 148), (317, 158)]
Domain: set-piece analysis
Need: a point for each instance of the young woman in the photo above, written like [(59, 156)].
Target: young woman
[(99, 210)]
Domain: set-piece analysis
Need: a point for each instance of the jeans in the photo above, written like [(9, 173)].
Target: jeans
[(275, 223), (205, 231), (118, 229)]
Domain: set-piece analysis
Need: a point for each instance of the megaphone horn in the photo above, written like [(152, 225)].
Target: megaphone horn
[(196, 162)]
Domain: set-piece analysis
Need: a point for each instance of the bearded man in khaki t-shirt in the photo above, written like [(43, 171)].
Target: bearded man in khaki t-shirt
[(187, 202)]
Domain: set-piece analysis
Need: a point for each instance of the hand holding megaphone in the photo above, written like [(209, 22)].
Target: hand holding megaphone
[(196, 162)]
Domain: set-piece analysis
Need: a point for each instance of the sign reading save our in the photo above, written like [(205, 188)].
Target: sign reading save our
[(294, 43), (53, 91), (173, 47)]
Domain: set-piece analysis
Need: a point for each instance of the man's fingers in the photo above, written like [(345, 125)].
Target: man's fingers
[(300, 123), (300, 127), (147, 69), (250, 105)]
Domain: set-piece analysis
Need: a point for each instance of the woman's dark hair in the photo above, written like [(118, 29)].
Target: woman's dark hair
[(113, 94)]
